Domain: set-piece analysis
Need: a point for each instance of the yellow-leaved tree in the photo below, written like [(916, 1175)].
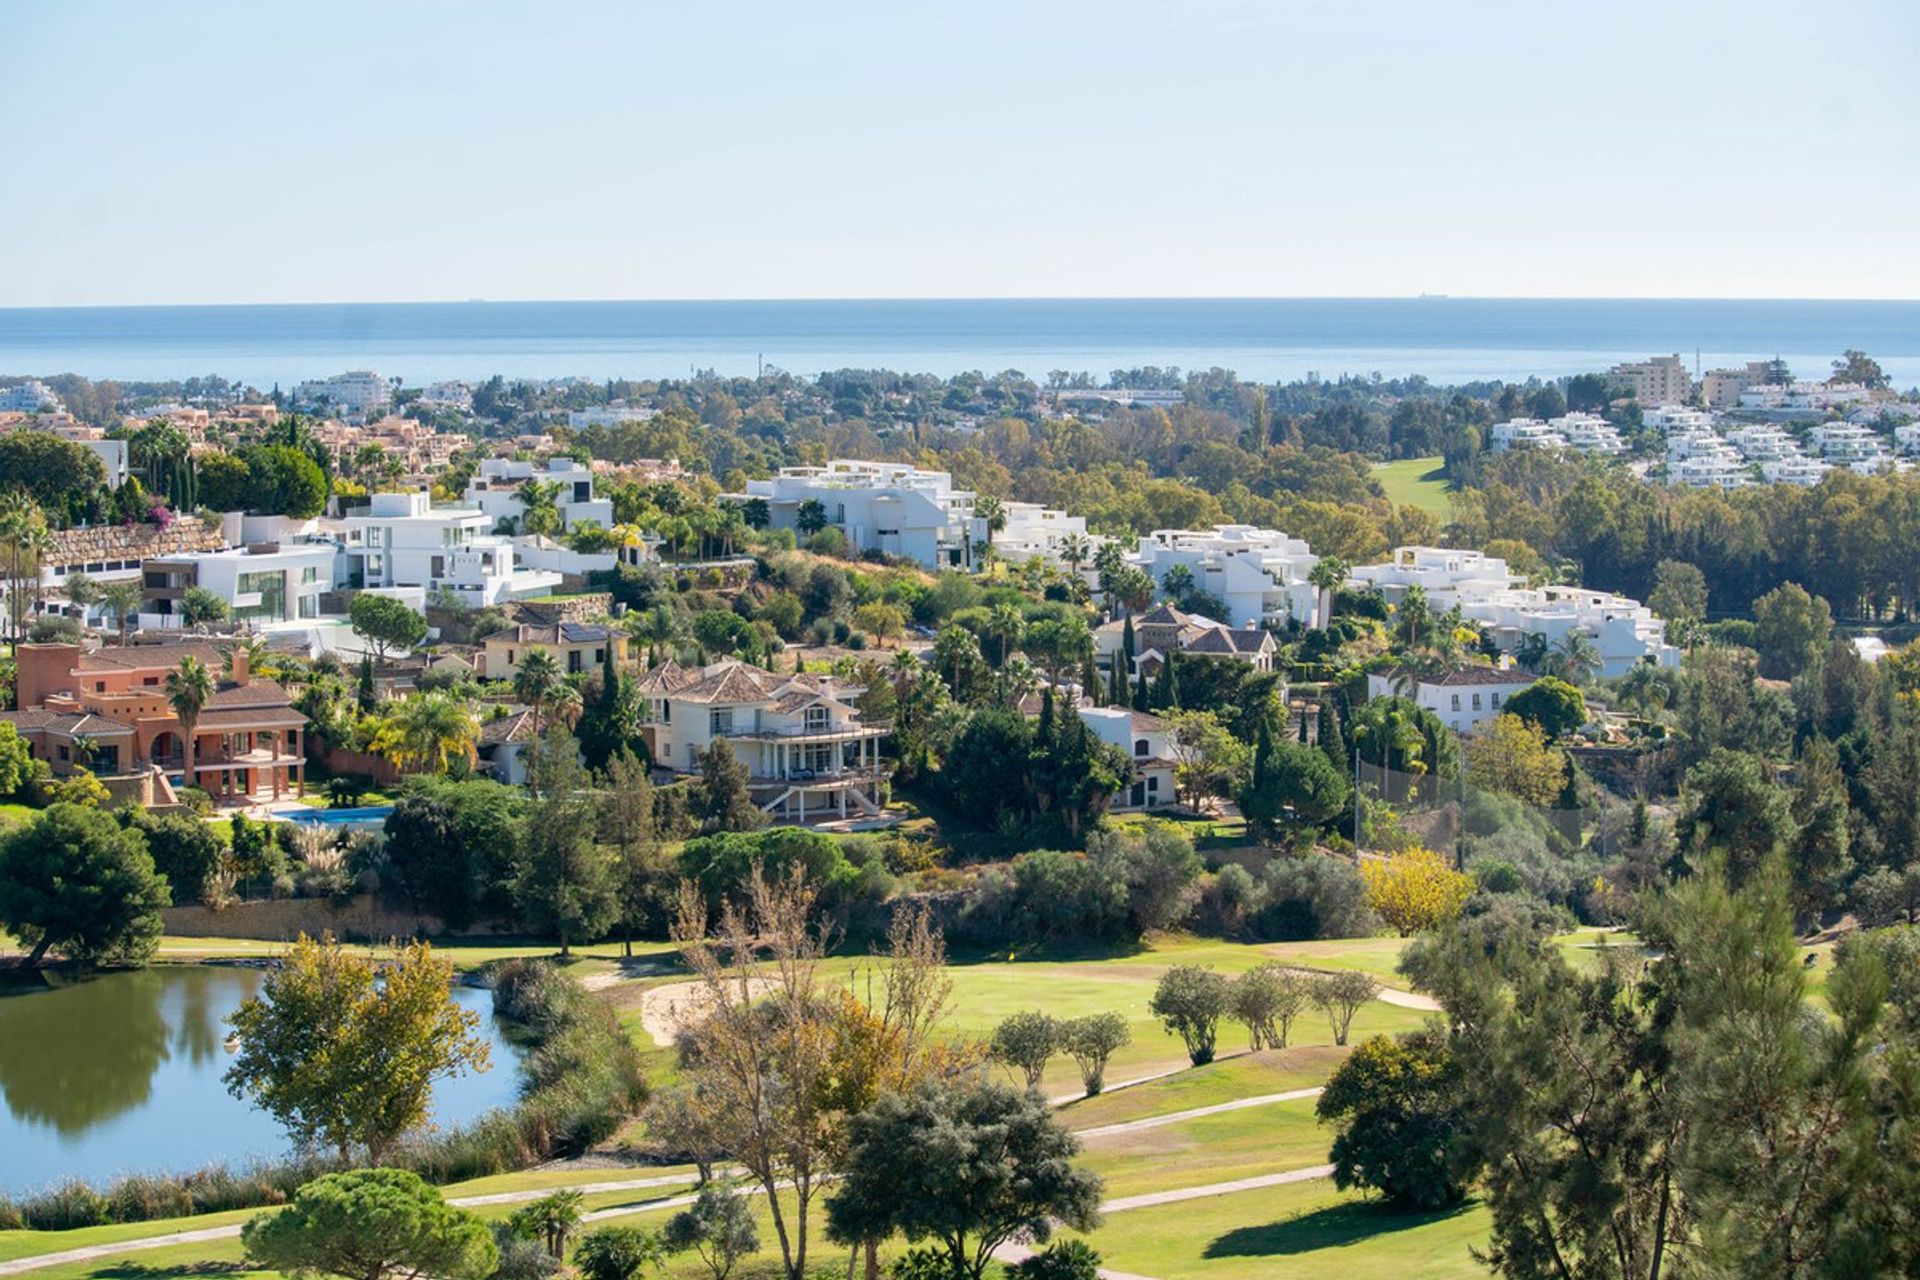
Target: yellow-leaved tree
[(1512, 756), (1415, 889)]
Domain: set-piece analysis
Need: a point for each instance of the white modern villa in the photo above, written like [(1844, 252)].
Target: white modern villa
[(403, 540), (889, 507), (1259, 574), (1624, 631), (495, 489)]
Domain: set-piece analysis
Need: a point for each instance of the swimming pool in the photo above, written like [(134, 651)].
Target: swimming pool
[(368, 816)]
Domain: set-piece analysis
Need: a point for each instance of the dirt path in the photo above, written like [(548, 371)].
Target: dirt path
[(665, 1009), (1177, 1117)]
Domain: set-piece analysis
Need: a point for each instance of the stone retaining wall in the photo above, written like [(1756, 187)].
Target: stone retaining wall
[(74, 549), (361, 919)]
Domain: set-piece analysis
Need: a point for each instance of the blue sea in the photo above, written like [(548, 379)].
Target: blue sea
[(1446, 339)]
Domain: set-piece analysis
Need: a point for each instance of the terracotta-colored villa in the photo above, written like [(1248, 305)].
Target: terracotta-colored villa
[(107, 709)]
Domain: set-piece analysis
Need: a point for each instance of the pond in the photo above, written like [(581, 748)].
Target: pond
[(121, 1074)]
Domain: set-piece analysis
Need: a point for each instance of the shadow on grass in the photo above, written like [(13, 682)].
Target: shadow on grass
[(135, 1271), (1329, 1228)]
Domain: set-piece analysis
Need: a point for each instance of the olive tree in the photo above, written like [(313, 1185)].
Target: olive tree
[(1190, 1000)]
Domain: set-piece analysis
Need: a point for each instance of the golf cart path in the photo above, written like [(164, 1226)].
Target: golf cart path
[(231, 1231), (1178, 1117)]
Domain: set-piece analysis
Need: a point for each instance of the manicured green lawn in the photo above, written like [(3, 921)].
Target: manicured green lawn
[(1415, 482), (1246, 1076), (1216, 1148), (986, 991), (1302, 1229)]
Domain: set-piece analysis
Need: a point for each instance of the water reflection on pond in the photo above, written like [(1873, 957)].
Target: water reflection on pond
[(122, 1073)]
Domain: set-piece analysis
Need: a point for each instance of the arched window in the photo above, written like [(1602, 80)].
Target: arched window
[(1139, 748)]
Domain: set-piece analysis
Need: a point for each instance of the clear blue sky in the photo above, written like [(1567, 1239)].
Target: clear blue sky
[(414, 149)]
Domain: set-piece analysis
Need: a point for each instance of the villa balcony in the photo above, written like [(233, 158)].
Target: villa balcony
[(862, 775), (825, 733)]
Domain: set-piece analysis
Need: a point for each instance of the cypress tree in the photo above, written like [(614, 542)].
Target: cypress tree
[(1090, 680), (1332, 740), (1166, 687), (1127, 642), (1141, 700)]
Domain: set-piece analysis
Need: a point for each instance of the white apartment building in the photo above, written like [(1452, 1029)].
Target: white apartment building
[(1670, 418), (263, 583), (1033, 530), (30, 396), (1464, 699), (357, 392), (810, 754), (1800, 470), (448, 395), (1765, 444), (610, 415), (1709, 469), (1802, 397), (1848, 443), (1144, 739), (1624, 631), (1907, 439), (402, 540), (1259, 574), (1523, 433), (889, 507), (1589, 433), (495, 489), (1655, 380)]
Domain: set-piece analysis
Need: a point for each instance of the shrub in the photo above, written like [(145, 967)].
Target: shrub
[(1314, 897), (1091, 1040), (1026, 1041), (1189, 1000), (1061, 1260)]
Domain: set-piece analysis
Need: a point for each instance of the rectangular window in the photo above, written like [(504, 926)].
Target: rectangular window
[(1476, 702), (1456, 702), (816, 719), (310, 574), (720, 720), (271, 587)]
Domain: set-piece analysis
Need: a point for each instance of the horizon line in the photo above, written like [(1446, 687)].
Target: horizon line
[(815, 300)]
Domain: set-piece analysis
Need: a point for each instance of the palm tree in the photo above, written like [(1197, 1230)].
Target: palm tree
[(17, 515), (1531, 653), (430, 731), (1577, 658), (534, 683), (1328, 574), (541, 498), (992, 512), (122, 600), (1177, 583), (84, 592), (1108, 562), (1414, 616), (189, 688), (1005, 625), (811, 517), (253, 647), (1073, 552)]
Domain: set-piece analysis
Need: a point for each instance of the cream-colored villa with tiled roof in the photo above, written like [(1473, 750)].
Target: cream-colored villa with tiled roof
[(810, 754)]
